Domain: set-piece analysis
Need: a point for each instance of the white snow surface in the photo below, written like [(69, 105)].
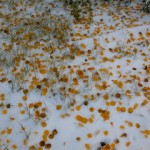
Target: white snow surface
[(105, 57)]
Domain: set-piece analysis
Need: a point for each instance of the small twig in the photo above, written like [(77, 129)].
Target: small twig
[(23, 129)]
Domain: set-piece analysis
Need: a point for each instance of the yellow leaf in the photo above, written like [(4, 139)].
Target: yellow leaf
[(120, 84), (88, 146), (43, 124), (44, 91), (78, 108), (112, 28), (105, 96), (43, 71), (81, 119), (58, 107), (73, 91), (89, 135), (83, 45)]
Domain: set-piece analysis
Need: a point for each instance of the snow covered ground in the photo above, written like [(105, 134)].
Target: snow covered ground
[(88, 92)]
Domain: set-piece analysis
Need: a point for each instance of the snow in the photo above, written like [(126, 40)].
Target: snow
[(107, 80)]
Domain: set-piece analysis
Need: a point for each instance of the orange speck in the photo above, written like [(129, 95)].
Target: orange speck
[(11, 118), (3, 132), (46, 132), (43, 124), (31, 105), (130, 124), (120, 84), (4, 112), (148, 33), (113, 145), (24, 98), (22, 112), (135, 106), (39, 104), (112, 103), (105, 96), (43, 71), (9, 130), (106, 132), (137, 125), (78, 108), (107, 103), (130, 110), (144, 102), (20, 105), (85, 96), (73, 91), (58, 107), (80, 73), (118, 109), (128, 143), (91, 120), (118, 66), (91, 109), (14, 146), (123, 109), (44, 91), (81, 119), (83, 45), (89, 135), (87, 146), (122, 127), (116, 50)]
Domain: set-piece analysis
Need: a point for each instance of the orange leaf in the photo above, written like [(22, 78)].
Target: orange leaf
[(43, 71), (78, 108), (91, 120), (88, 146), (4, 112), (81, 119), (80, 73), (75, 81), (89, 135), (43, 124), (96, 77), (20, 105), (44, 91), (73, 91), (99, 87), (58, 107), (24, 98), (91, 68), (9, 130), (83, 45), (120, 84), (148, 33), (105, 96), (64, 79), (112, 28)]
